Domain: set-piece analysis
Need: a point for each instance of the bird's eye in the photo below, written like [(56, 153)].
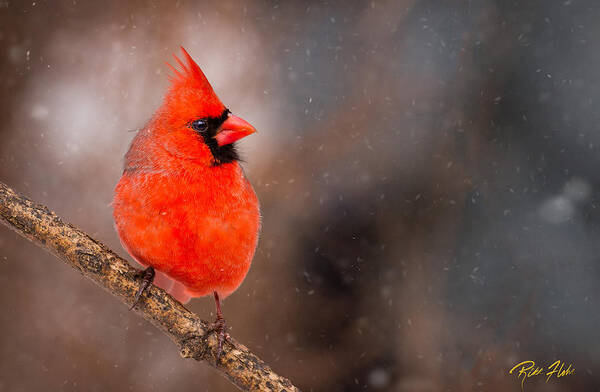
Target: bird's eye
[(199, 125)]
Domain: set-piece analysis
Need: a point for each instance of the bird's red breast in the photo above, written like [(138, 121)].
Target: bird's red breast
[(183, 204)]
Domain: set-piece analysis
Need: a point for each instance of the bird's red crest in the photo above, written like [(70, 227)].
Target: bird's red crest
[(190, 87), (190, 74)]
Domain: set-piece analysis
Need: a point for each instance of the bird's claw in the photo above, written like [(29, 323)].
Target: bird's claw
[(146, 281), (220, 328)]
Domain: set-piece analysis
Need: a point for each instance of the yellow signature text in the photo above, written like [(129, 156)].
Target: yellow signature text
[(528, 369)]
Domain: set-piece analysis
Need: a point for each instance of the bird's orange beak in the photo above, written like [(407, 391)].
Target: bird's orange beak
[(232, 129)]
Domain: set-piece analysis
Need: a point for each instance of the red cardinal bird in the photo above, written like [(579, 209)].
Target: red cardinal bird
[(183, 205)]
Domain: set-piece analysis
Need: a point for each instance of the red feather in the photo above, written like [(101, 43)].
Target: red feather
[(174, 210)]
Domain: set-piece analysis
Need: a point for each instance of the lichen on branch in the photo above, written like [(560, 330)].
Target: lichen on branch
[(98, 263)]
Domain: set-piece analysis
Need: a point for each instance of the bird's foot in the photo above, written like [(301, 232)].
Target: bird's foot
[(147, 280), (220, 328)]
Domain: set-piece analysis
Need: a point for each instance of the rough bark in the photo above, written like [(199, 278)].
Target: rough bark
[(98, 263)]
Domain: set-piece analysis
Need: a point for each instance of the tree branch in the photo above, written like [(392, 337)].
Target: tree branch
[(98, 263)]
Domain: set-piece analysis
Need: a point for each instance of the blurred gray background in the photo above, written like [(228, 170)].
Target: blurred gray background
[(427, 172)]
